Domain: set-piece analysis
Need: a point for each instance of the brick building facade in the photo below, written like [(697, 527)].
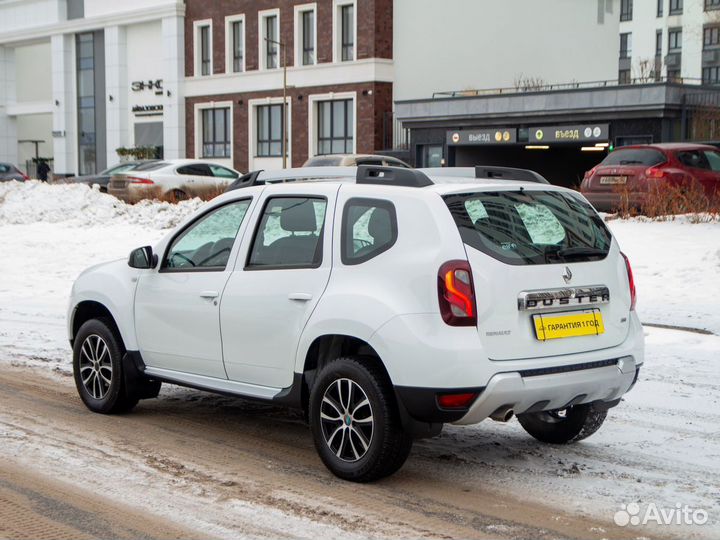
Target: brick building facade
[(339, 78)]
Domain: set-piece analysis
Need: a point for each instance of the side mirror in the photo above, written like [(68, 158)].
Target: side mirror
[(143, 258)]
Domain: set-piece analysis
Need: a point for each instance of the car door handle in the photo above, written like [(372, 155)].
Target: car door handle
[(300, 296), (209, 294)]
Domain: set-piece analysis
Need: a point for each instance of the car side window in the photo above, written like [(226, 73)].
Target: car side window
[(207, 243), (692, 158), (196, 169), (369, 228), (289, 234), (222, 172), (4, 168), (713, 159)]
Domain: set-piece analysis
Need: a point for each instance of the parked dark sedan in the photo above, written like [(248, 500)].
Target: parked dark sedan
[(103, 178), (630, 170), (8, 172)]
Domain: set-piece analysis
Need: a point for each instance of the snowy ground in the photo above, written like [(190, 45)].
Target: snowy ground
[(662, 445)]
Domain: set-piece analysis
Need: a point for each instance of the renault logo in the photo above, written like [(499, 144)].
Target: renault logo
[(567, 275)]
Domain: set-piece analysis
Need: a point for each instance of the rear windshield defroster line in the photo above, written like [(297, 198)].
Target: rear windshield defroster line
[(530, 227)]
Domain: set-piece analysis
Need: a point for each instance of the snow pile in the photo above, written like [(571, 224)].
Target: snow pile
[(676, 266), (78, 205)]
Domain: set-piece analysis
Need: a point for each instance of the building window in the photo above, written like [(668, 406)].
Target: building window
[(347, 32), (216, 133), (712, 4), (624, 76), (711, 75), (673, 75), (238, 45), (658, 42), (205, 50), (307, 37), (87, 139), (270, 35), (626, 9), (336, 127), (660, 8), (711, 37), (625, 45), (676, 7), (674, 40), (269, 131)]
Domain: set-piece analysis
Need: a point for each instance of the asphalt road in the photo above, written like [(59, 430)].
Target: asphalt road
[(191, 465)]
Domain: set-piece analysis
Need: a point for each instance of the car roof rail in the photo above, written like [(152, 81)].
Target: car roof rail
[(509, 173), (391, 176), (246, 180)]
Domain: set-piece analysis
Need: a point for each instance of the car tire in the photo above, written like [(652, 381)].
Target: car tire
[(98, 371), (354, 448), (563, 426)]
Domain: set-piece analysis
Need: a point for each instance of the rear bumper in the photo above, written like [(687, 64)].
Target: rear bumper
[(129, 194), (121, 193), (610, 201), (522, 392), (523, 385), (529, 390), (421, 403)]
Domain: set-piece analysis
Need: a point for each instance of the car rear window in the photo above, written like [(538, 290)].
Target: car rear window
[(329, 161), (530, 227), (634, 156), (152, 166)]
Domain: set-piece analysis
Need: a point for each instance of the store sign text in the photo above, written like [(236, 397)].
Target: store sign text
[(139, 86)]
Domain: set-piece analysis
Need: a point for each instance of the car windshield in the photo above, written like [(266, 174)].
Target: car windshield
[(530, 227), (634, 156)]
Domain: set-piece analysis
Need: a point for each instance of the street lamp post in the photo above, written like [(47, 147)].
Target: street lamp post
[(284, 105)]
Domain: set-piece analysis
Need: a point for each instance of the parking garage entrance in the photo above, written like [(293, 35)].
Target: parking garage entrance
[(561, 153)]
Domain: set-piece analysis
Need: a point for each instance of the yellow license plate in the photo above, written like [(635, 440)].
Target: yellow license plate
[(563, 325)]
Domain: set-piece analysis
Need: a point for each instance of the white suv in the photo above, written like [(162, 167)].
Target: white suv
[(382, 301)]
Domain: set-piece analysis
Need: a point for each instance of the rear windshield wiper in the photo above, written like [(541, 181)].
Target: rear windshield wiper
[(581, 251), (578, 251), (630, 162)]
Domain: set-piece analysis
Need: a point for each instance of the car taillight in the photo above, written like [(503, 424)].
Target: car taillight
[(25, 177), (456, 294), (135, 180), (631, 282), (589, 173), (456, 401), (654, 172)]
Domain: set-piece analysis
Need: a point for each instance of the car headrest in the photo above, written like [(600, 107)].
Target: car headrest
[(299, 216), (379, 226)]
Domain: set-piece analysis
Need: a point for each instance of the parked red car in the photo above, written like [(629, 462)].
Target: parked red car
[(631, 169)]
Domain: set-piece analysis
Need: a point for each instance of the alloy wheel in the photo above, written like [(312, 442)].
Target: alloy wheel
[(346, 419), (95, 366)]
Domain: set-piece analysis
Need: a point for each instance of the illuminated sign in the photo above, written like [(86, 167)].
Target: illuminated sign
[(575, 133), (482, 136)]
